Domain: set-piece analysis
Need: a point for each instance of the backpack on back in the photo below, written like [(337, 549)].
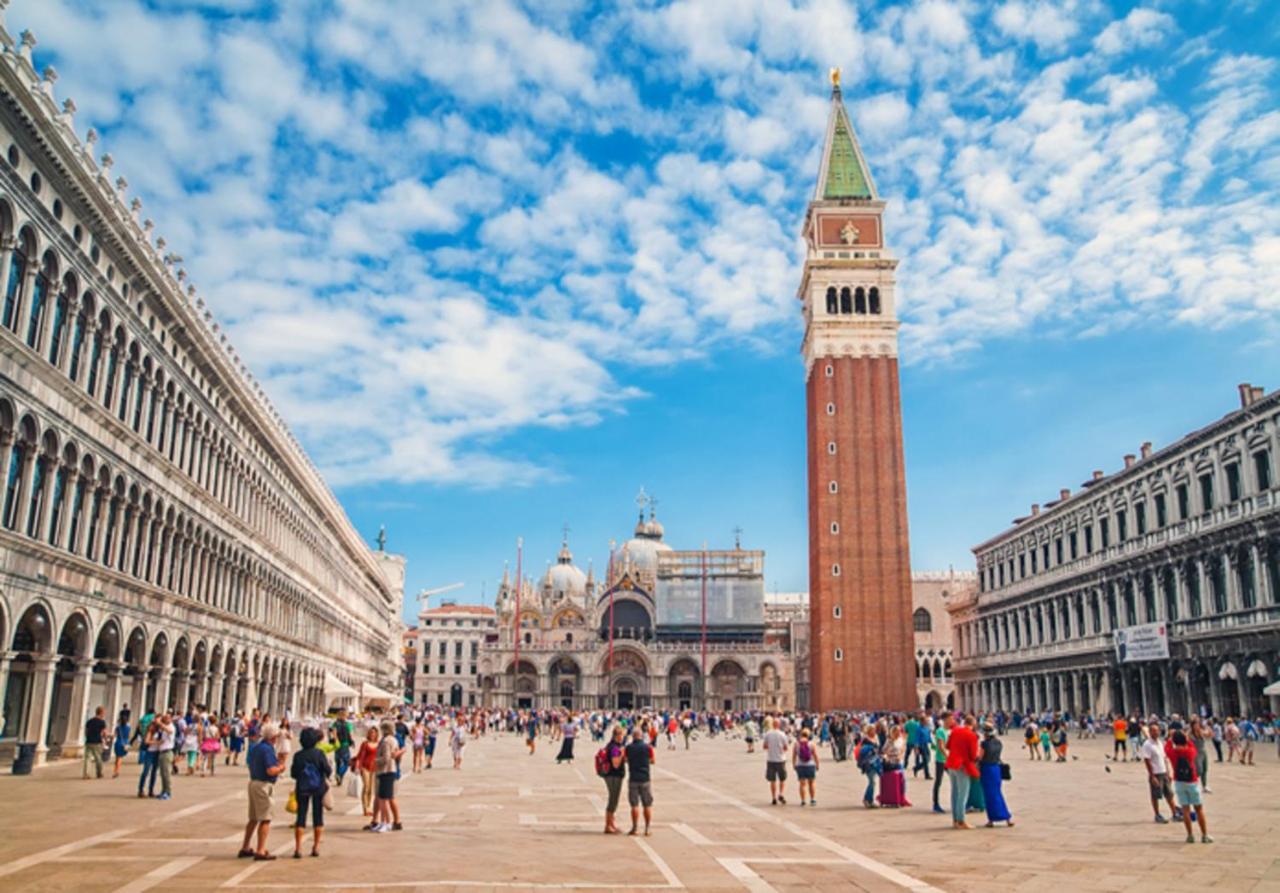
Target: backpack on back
[(804, 751), (1182, 769), (603, 764), (311, 782)]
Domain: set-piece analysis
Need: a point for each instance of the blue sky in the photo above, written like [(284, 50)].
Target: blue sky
[(500, 264)]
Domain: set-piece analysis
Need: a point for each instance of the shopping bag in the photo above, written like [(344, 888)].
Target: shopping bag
[(354, 785), (328, 798), (292, 804)]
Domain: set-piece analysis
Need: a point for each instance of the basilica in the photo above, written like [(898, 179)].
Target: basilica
[(664, 628)]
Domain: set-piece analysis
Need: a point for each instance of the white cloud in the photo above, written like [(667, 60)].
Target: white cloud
[(1141, 28)]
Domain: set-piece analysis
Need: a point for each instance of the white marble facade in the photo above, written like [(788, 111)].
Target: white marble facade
[(165, 539)]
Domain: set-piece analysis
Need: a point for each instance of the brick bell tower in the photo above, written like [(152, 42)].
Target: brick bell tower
[(861, 648)]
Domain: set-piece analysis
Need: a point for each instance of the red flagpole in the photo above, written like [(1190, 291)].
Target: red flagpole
[(704, 625), (519, 585)]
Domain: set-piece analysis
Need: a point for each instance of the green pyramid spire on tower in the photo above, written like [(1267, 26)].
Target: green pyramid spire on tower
[(844, 170)]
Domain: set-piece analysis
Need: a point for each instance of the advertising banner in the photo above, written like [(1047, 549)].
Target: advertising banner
[(1148, 641)]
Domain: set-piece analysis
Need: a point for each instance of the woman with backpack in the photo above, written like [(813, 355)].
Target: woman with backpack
[(611, 765), (310, 772), (804, 759)]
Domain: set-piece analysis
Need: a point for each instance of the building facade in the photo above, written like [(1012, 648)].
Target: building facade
[(638, 639), (861, 652), (1186, 539), (932, 592), (164, 538), (449, 642)]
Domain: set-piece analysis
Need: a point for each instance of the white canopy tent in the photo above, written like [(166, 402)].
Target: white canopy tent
[(1272, 689), (336, 690), (372, 696)]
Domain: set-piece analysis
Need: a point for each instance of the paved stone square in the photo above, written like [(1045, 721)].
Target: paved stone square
[(508, 821)]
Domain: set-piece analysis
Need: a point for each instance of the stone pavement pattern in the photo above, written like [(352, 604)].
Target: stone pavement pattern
[(508, 821)]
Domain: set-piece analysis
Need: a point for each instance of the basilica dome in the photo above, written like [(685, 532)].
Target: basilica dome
[(564, 578), (640, 553)]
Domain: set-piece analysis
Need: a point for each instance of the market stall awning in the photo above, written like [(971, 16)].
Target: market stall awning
[(370, 694), (1272, 689), (336, 690)]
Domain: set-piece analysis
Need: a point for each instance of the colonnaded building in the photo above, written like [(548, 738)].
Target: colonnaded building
[(1153, 589), (164, 539), (636, 638)]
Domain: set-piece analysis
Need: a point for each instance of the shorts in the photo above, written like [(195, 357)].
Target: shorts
[(1188, 793), (1160, 786), (806, 773), (775, 771), (640, 794), (260, 801), (386, 786)]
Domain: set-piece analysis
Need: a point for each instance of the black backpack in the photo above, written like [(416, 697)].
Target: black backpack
[(1183, 770)]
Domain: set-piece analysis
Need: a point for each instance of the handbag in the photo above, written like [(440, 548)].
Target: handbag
[(328, 798), (1006, 772)]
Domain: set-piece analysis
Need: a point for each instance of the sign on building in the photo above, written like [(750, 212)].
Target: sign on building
[(1147, 641)]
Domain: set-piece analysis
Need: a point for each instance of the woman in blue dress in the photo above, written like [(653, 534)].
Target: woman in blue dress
[(992, 779), (120, 743)]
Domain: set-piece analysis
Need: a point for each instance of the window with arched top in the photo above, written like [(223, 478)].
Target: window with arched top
[(874, 299), (922, 621), (846, 300), (832, 300), (860, 300)]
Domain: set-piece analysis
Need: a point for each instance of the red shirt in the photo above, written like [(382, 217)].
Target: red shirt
[(962, 750), (1186, 751), (366, 756)]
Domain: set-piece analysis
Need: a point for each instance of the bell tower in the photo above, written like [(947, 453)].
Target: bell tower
[(861, 647)]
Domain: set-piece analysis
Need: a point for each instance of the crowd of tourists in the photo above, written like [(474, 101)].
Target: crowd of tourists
[(366, 754)]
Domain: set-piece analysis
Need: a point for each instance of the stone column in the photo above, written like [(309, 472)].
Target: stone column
[(138, 693), (7, 244), (43, 672), (51, 464), (1261, 585), (163, 680), (81, 688), (111, 695), (6, 659)]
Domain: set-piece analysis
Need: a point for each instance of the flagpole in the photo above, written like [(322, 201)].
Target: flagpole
[(519, 585), (704, 626)]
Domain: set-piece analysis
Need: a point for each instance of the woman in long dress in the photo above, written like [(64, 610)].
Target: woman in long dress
[(568, 732), (992, 780)]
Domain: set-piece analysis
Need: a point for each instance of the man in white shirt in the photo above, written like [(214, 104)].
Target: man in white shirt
[(1152, 753), (776, 743)]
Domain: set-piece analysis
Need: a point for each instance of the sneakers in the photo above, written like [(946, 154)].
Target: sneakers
[(382, 829), (397, 827), (775, 801), (1205, 838), (813, 802), (1161, 820), (1191, 838), (164, 797), (938, 809)]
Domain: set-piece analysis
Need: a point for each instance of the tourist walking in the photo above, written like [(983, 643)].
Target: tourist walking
[(94, 729), (961, 766), (310, 772), (804, 758), (120, 742), (1199, 737), (263, 767), (419, 734), (868, 761), (568, 731), (1183, 756), (164, 737), (342, 753), (640, 756), (386, 811), (775, 743), (615, 771), (531, 733), (458, 743), (992, 777), (893, 777), (1157, 763), (1120, 732), (939, 744)]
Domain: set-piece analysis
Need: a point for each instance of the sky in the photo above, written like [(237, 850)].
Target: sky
[(501, 264)]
